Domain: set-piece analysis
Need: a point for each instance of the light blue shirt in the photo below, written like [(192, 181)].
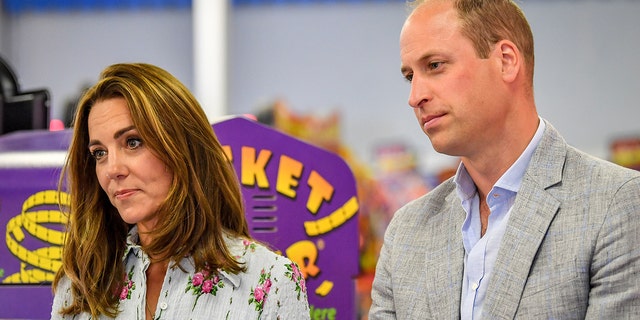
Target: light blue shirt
[(481, 252)]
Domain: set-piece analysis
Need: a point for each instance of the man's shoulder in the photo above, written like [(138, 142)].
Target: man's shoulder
[(584, 164), (432, 202), (580, 164)]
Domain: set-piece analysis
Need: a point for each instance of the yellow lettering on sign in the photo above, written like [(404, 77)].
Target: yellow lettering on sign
[(253, 172), (324, 288), (321, 190), (253, 168), (228, 153), (334, 220), (289, 172)]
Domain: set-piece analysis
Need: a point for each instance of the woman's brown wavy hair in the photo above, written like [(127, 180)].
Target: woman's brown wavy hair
[(203, 204)]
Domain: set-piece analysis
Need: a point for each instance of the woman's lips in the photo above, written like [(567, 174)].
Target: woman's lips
[(123, 194)]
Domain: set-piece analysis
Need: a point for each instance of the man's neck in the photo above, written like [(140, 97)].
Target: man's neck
[(486, 167)]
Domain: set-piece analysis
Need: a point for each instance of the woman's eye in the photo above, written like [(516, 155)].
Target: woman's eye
[(98, 154), (133, 143)]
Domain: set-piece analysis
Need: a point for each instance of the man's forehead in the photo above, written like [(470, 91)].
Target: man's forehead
[(434, 19)]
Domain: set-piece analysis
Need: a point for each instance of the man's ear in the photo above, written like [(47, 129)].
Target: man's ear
[(511, 59)]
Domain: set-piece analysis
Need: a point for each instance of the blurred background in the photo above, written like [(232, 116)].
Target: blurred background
[(320, 56), (327, 71)]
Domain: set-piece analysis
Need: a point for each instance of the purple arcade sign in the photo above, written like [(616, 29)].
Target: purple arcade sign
[(300, 199)]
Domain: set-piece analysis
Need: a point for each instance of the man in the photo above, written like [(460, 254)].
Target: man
[(529, 227)]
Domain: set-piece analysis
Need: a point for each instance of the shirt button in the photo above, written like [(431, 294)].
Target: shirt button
[(474, 286), (163, 305)]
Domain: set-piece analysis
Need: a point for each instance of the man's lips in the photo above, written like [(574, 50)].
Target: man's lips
[(431, 121)]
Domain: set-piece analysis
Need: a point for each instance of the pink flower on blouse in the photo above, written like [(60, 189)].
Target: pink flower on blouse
[(295, 275), (204, 283), (124, 293), (248, 246), (261, 291), (207, 286), (296, 271), (258, 294), (128, 286), (267, 285), (197, 279)]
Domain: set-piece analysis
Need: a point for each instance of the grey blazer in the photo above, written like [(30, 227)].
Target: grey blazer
[(571, 248)]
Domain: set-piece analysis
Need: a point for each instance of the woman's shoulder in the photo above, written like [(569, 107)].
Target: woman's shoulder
[(270, 274), (261, 262), (254, 254)]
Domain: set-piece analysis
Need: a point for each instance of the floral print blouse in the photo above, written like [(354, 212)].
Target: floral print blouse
[(271, 288)]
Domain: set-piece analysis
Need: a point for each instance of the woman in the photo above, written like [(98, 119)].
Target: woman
[(157, 227)]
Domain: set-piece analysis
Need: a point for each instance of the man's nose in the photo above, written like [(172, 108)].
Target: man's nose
[(420, 92)]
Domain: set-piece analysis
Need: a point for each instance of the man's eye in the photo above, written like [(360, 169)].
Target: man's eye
[(98, 154), (408, 77), (133, 143), (435, 65)]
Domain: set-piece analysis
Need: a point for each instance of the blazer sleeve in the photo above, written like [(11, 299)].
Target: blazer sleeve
[(382, 305), (615, 268)]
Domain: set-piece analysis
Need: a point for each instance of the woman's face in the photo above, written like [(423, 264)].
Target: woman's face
[(136, 181)]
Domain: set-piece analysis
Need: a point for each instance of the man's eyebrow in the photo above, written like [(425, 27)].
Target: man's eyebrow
[(427, 56), (404, 69), (116, 135)]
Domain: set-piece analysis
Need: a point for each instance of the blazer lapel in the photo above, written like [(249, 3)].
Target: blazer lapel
[(444, 263), (531, 215)]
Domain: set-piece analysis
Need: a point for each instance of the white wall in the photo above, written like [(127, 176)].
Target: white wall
[(322, 57), (587, 70), (345, 56), (63, 51)]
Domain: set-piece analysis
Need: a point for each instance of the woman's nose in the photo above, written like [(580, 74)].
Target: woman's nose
[(116, 168)]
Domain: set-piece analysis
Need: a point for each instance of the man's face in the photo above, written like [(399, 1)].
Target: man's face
[(454, 93)]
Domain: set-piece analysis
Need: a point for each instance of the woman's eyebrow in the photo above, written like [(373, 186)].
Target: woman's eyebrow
[(120, 132), (116, 135)]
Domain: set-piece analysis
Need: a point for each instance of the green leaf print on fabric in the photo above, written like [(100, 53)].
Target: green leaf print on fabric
[(128, 286), (295, 275), (204, 282), (261, 291)]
